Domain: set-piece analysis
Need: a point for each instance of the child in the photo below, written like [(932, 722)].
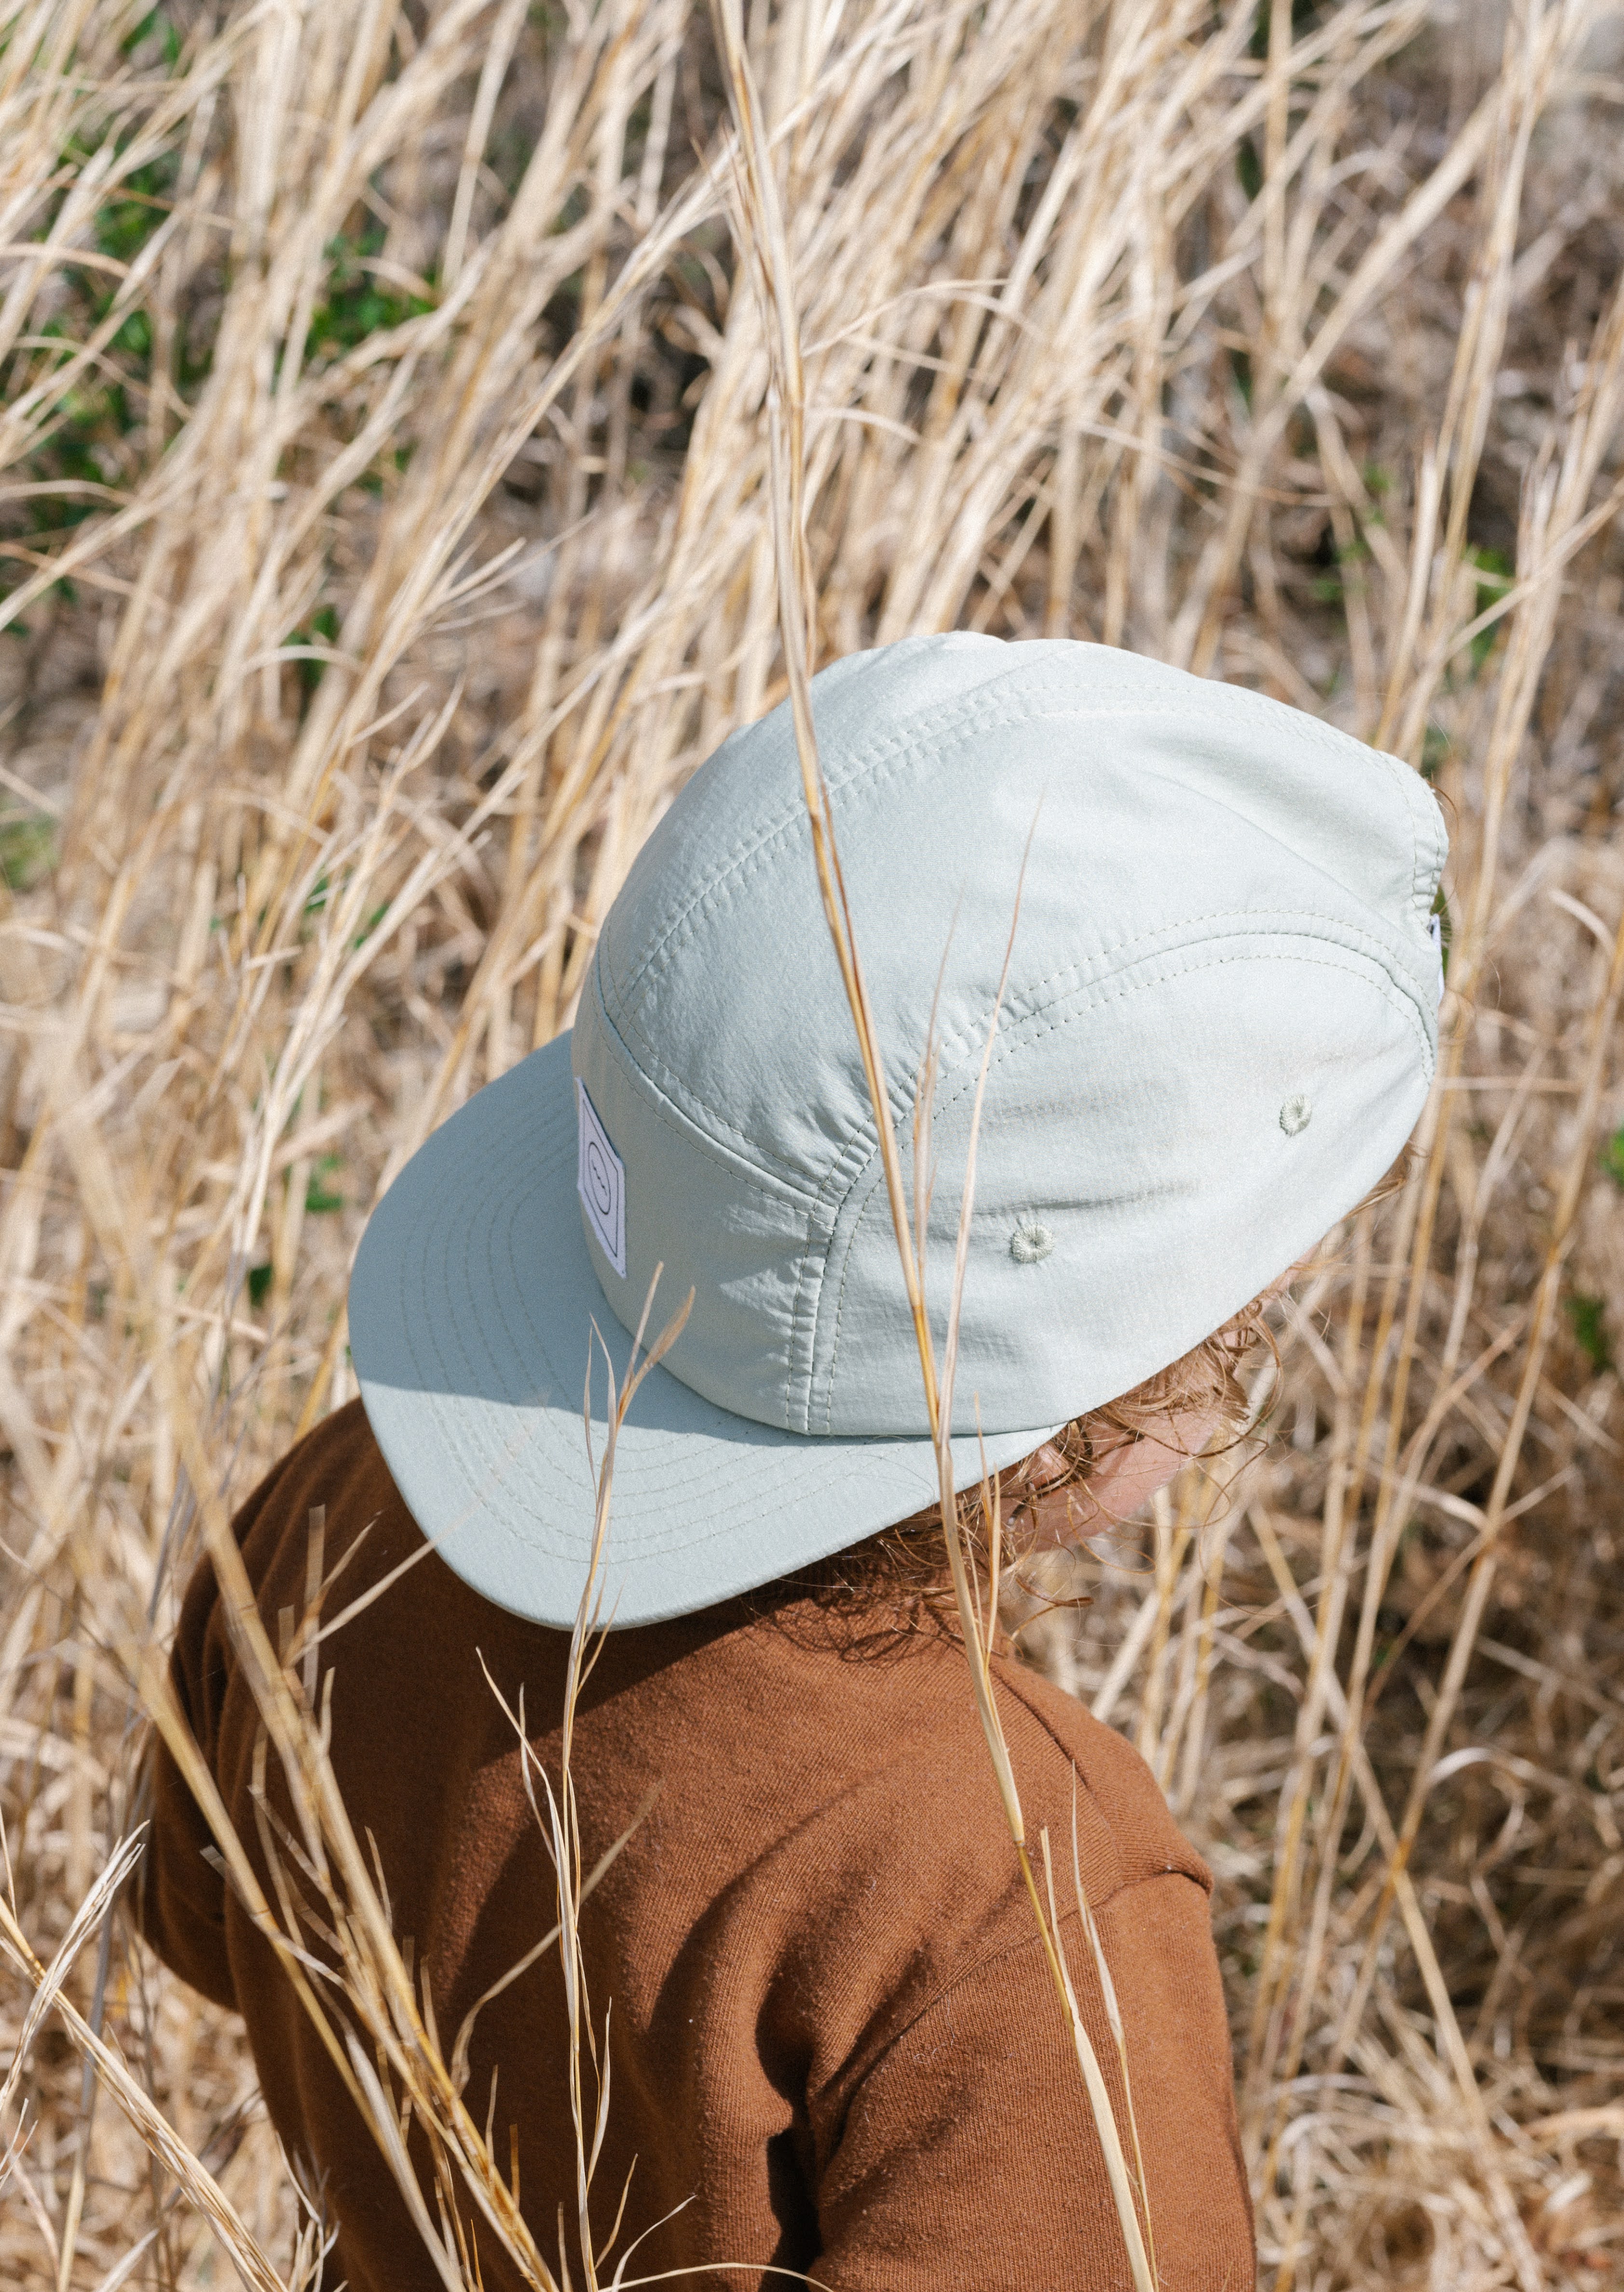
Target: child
[(834, 2046)]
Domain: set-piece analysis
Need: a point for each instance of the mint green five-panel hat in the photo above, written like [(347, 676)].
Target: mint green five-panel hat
[(1219, 1029)]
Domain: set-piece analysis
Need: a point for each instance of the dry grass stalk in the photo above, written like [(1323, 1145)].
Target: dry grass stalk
[(766, 253), (427, 544)]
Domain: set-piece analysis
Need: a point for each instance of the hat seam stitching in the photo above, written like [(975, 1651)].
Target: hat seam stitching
[(893, 749), (1010, 1042), (1119, 993), (1266, 921), (697, 1110), (878, 751), (863, 1135), (664, 1104), (791, 1370), (665, 1080)]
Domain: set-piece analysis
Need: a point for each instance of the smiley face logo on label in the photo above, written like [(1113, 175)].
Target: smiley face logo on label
[(600, 1181)]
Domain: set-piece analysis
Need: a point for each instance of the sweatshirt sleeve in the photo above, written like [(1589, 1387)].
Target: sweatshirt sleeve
[(180, 1893), (971, 2142)]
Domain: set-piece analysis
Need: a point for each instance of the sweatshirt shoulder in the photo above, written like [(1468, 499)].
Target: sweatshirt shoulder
[(1062, 1739), (337, 1470), (856, 1804), (894, 1749), (340, 1456)]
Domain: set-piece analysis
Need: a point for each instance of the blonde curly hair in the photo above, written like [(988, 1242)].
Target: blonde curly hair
[(900, 1579), (904, 1570)]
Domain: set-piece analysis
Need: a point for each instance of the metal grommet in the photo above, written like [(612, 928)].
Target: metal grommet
[(1295, 1116)]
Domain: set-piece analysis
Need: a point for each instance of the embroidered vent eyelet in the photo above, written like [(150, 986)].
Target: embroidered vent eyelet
[(1031, 1243), (1295, 1116)]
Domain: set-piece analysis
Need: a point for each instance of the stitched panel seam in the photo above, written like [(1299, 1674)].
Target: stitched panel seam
[(1265, 921), (676, 1119), (855, 1153), (998, 711), (663, 1081), (1119, 990), (893, 749), (1390, 990)]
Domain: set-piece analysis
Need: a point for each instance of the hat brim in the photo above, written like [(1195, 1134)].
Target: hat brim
[(473, 1309)]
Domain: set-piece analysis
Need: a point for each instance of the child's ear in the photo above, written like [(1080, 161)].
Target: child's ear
[(1038, 1472), (1124, 1478)]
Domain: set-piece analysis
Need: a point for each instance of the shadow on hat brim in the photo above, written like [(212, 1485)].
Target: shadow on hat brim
[(472, 1310)]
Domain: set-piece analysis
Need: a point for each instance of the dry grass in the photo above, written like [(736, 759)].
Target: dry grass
[(763, 244), (388, 531)]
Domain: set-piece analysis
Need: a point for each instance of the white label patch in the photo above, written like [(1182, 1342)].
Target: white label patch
[(600, 1181)]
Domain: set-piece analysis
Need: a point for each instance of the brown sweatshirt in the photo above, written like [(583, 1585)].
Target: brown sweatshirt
[(833, 2043)]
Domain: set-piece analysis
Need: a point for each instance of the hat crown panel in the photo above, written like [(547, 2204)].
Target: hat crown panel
[(1165, 814), (1163, 1204)]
